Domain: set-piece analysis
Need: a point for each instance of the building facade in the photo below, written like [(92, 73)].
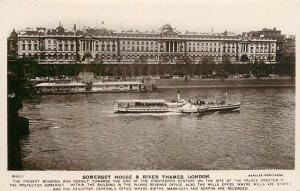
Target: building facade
[(12, 45), (166, 46), (274, 34)]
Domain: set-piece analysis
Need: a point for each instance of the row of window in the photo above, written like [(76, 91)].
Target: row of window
[(114, 86), (133, 57), (107, 48), (29, 47), (61, 41), (133, 42), (219, 44), (142, 43)]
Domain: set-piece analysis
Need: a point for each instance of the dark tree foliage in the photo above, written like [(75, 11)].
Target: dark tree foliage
[(258, 69), (183, 65), (244, 58), (22, 67)]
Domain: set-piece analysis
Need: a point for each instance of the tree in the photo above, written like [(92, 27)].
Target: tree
[(244, 58), (22, 67), (224, 65), (258, 69), (183, 64), (99, 62), (139, 63), (206, 63)]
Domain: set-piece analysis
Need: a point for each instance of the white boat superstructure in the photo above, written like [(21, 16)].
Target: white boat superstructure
[(179, 106), (147, 106), (124, 86), (52, 87), (189, 108)]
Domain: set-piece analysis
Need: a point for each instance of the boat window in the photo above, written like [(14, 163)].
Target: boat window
[(139, 104)]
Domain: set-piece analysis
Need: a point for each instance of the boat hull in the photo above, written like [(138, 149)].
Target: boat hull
[(221, 108), (144, 110)]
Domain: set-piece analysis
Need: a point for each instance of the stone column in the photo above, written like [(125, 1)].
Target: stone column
[(173, 46), (221, 47), (158, 51)]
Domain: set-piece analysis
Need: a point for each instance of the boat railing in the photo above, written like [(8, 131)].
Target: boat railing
[(141, 106)]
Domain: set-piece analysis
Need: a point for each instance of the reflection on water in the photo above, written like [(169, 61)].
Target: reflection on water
[(80, 132)]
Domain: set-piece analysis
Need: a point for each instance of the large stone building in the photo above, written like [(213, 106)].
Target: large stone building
[(274, 34), (165, 46)]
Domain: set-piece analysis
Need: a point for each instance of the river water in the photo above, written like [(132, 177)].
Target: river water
[(80, 132)]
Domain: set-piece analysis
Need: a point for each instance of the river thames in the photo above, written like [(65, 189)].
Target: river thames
[(80, 132)]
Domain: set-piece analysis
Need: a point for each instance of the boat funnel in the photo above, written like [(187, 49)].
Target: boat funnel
[(178, 96)]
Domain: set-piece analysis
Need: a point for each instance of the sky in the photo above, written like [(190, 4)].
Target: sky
[(185, 15)]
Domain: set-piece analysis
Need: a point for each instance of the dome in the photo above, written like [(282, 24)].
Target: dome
[(167, 27), (13, 34), (60, 28)]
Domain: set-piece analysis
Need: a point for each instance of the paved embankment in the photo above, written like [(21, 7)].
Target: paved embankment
[(210, 83)]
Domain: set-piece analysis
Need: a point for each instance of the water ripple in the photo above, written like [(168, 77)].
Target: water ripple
[(81, 132)]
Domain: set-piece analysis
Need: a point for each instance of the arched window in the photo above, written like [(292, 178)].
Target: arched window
[(42, 56)]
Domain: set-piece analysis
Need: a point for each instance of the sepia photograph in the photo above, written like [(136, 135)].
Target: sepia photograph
[(150, 85)]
